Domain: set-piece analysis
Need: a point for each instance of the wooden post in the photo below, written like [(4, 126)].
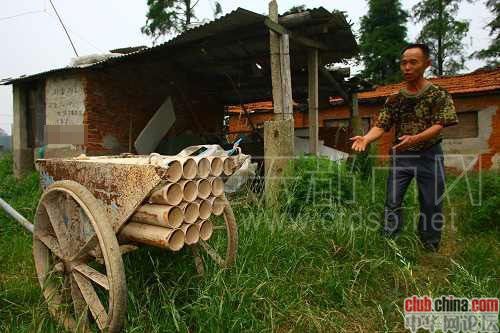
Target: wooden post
[(274, 47), (286, 77), (312, 69), (279, 133), (355, 118)]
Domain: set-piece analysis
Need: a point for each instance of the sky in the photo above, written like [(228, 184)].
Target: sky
[(32, 39)]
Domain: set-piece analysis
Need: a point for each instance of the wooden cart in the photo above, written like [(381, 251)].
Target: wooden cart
[(78, 238)]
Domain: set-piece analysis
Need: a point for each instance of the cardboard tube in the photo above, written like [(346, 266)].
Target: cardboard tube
[(160, 215), (229, 165), (203, 165), (205, 208), (172, 239), (174, 172), (170, 194), (189, 167), (217, 186), (206, 229), (189, 189), (204, 188), (191, 232), (216, 165), (218, 204), (190, 210)]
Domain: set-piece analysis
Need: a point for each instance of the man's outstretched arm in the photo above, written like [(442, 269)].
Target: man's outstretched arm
[(361, 142)]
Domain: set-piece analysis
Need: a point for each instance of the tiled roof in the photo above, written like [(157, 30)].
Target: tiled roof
[(475, 82), (479, 81)]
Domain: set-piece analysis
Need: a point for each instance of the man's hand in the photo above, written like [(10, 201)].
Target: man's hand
[(406, 142), (360, 143)]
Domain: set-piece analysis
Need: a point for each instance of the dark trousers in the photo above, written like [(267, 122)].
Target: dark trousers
[(427, 168)]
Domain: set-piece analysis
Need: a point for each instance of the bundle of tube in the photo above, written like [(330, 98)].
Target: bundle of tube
[(178, 211)]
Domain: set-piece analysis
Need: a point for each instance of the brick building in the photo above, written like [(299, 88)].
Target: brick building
[(473, 143), (104, 105)]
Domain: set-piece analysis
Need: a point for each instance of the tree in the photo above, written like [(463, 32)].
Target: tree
[(383, 35), (296, 10), (171, 16), (443, 33), (492, 53)]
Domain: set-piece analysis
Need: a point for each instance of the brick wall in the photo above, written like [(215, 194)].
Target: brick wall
[(487, 145), (120, 100)]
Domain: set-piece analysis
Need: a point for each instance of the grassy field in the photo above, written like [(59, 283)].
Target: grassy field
[(312, 266)]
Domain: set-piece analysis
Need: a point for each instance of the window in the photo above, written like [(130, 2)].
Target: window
[(467, 127)]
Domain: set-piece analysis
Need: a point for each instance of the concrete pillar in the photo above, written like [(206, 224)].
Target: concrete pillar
[(22, 154)]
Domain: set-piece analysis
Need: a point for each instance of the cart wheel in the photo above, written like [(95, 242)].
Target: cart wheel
[(78, 260), (222, 246)]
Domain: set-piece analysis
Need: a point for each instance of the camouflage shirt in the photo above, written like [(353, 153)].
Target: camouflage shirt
[(411, 114)]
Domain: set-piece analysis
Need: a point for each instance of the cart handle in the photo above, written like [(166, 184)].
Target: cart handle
[(18, 217)]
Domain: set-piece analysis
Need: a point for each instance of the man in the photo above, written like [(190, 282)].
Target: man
[(419, 111)]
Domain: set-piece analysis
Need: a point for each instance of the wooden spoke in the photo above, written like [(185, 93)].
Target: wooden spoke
[(57, 221), (219, 227), (212, 253), (89, 245), (93, 275), (51, 243), (198, 260), (92, 300), (80, 306)]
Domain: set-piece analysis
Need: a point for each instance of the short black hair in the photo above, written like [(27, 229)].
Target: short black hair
[(425, 49)]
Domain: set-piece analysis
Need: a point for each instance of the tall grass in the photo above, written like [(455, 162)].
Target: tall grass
[(300, 268)]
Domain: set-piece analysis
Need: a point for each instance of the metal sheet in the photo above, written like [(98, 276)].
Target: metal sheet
[(119, 187)]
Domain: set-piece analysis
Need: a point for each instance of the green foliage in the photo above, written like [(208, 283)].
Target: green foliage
[(443, 33), (483, 210), (318, 183), (383, 36), (362, 163), (296, 9), (171, 16), (492, 53)]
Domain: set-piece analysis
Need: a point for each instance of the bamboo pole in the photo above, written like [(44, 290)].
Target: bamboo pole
[(160, 215), (203, 167), (169, 194), (172, 239)]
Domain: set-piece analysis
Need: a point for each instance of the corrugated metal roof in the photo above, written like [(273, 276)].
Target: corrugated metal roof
[(233, 20)]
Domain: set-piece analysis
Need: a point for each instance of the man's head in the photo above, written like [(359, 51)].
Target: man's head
[(415, 58)]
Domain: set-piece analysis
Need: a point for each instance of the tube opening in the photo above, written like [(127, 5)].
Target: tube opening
[(218, 206), (175, 217), (203, 167), (217, 186), (206, 230), (192, 234), (216, 166), (191, 212), (189, 168), (204, 188), (176, 240)]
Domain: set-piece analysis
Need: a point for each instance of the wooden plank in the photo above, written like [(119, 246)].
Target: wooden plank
[(312, 69), (286, 77), (304, 41), (274, 47)]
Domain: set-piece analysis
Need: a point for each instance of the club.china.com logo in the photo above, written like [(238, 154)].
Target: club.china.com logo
[(451, 314)]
